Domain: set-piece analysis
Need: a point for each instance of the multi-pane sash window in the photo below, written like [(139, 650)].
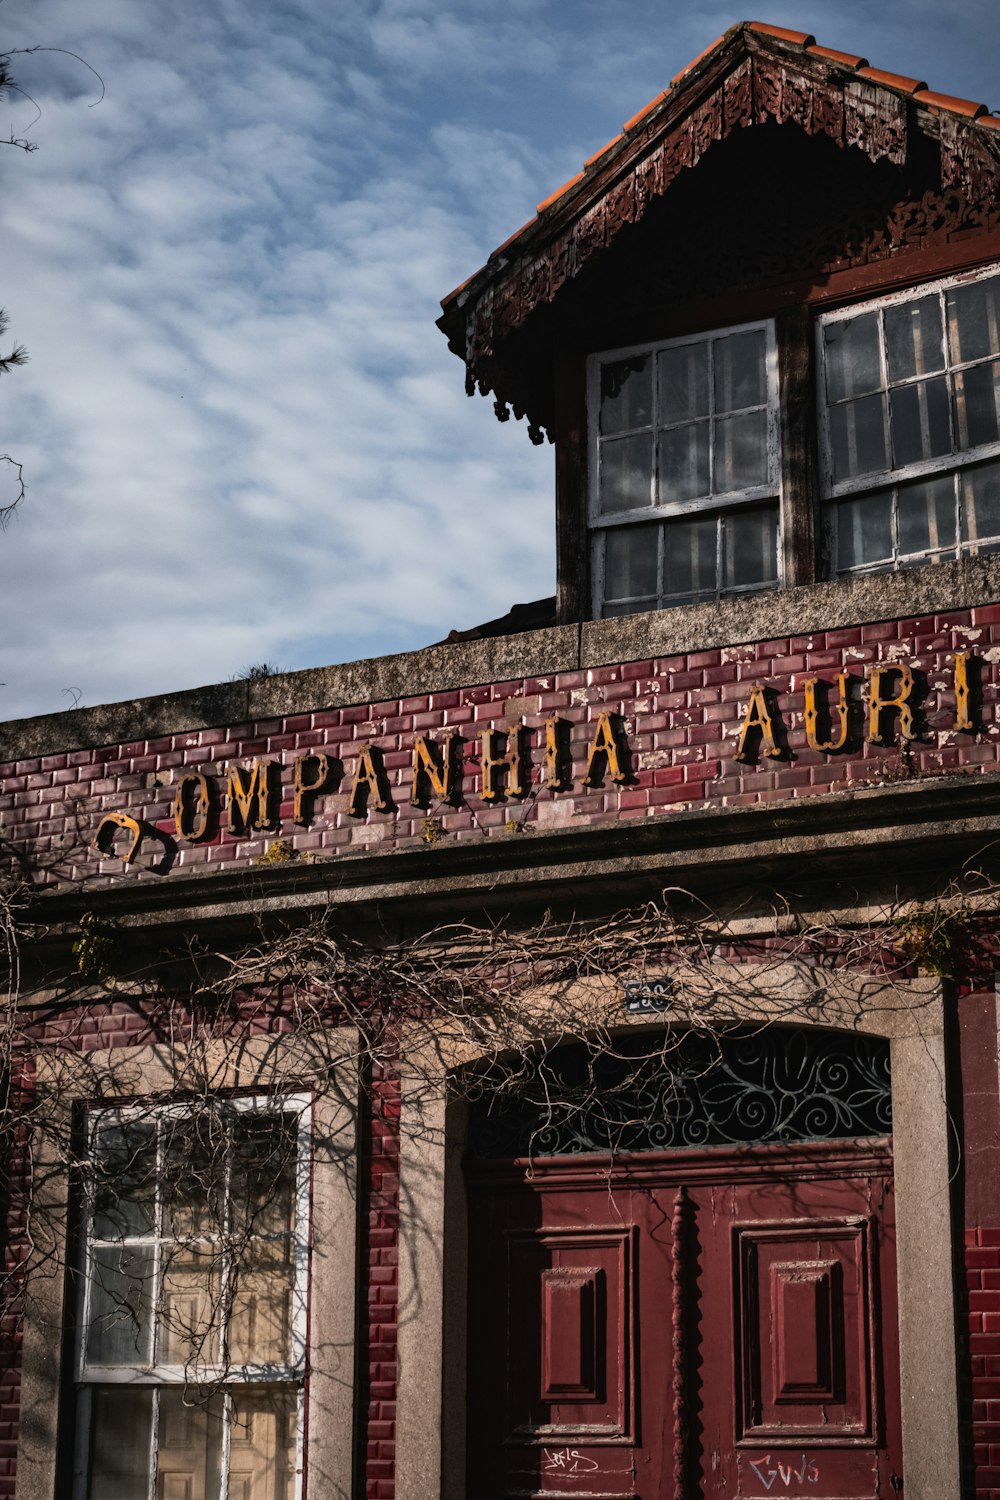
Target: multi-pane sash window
[(910, 419), (684, 470), (192, 1335)]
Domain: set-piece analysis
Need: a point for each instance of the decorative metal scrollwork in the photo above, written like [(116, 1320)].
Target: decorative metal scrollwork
[(686, 1089)]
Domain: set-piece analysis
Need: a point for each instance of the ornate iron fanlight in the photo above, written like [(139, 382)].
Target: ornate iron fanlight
[(686, 1089)]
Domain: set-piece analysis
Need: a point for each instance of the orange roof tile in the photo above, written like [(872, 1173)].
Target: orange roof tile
[(598, 154), (948, 101), (545, 203), (696, 60), (501, 248), (641, 114), (846, 59), (893, 80), (804, 39)]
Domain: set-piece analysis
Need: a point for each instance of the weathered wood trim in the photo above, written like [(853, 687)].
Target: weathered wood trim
[(797, 419), (572, 538)]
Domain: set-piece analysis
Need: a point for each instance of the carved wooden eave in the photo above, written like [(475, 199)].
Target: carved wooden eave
[(751, 76)]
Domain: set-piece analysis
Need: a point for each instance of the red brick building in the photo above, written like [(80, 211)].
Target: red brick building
[(564, 1060)]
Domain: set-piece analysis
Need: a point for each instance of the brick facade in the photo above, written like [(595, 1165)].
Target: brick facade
[(982, 1274), (680, 715), (382, 1310)]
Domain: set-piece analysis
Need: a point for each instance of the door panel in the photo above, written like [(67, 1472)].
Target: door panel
[(569, 1338), (700, 1326), (805, 1332)]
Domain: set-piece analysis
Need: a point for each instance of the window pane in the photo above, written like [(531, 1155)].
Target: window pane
[(914, 339), (920, 427), (690, 558), (740, 452), (194, 1156), (683, 375), (260, 1328), (189, 1447), (974, 319), (864, 531), (630, 568), (626, 394), (263, 1174), (981, 507), (626, 473), (740, 378), (857, 435), (926, 516), (262, 1445), (684, 463), (189, 1311), (125, 1180), (612, 610), (750, 548), (119, 1444), (853, 367), (120, 1302), (977, 404)]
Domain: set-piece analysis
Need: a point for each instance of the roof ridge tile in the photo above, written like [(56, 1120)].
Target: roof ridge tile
[(893, 80), (570, 183), (830, 54), (696, 60), (641, 114), (950, 101), (602, 152), (764, 28)]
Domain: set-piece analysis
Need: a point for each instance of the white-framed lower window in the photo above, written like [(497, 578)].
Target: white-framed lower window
[(684, 469), (192, 1331), (910, 425)]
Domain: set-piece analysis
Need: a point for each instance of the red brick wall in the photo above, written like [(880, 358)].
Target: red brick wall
[(681, 714), (379, 1324), (982, 1271)]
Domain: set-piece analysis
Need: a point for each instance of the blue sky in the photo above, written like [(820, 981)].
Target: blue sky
[(244, 438)]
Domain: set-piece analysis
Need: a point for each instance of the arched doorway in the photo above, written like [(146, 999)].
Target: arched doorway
[(683, 1273)]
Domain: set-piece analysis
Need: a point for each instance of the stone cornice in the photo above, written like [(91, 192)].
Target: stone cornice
[(536, 653)]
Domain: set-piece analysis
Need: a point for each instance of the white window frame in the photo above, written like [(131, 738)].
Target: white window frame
[(599, 524), (157, 1376), (952, 463)]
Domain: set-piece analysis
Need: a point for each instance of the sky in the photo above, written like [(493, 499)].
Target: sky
[(244, 439)]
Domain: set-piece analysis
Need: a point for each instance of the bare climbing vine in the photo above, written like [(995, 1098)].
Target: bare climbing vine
[(306, 1004)]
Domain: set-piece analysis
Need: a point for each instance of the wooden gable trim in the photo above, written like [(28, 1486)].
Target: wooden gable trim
[(747, 80)]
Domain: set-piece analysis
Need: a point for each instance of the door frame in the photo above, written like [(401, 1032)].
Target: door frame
[(431, 1401)]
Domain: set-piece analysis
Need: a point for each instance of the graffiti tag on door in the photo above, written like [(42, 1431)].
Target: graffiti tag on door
[(568, 1461), (807, 1472)]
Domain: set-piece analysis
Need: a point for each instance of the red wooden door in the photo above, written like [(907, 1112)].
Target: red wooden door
[(693, 1325)]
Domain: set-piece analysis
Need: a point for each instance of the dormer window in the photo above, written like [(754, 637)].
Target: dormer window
[(910, 426), (684, 470)]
